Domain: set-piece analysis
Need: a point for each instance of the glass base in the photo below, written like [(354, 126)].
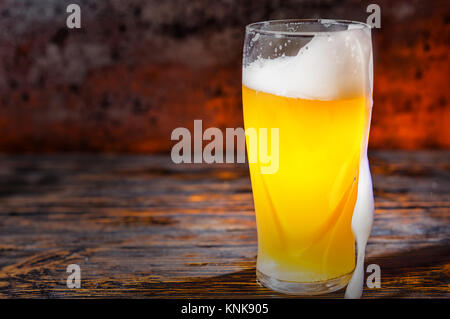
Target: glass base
[(303, 288)]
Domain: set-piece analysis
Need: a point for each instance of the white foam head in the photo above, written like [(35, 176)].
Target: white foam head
[(333, 65)]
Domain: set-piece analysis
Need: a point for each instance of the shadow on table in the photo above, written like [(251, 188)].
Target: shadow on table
[(413, 273)]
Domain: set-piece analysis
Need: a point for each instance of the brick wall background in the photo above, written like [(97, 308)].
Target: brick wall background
[(138, 69)]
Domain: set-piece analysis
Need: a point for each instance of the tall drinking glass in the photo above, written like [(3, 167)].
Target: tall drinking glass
[(311, 79)]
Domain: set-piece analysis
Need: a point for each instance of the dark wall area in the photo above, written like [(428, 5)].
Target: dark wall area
[(138, 69)]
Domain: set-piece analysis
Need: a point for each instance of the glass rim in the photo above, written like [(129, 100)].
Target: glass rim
[(256, 27)]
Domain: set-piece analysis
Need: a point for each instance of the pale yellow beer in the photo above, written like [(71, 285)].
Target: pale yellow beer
[(310, 80), (304, 210)]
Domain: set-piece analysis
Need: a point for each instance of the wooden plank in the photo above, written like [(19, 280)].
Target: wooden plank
[(140, 227)]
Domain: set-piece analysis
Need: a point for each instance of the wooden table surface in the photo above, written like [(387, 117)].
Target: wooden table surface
[(142, 227)]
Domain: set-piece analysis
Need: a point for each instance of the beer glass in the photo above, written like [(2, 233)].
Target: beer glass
[(311, 79)]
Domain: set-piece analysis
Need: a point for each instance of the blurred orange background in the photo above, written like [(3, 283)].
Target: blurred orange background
[(138, 69)]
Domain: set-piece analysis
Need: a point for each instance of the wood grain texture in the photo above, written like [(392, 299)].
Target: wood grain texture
[(142, 227)]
